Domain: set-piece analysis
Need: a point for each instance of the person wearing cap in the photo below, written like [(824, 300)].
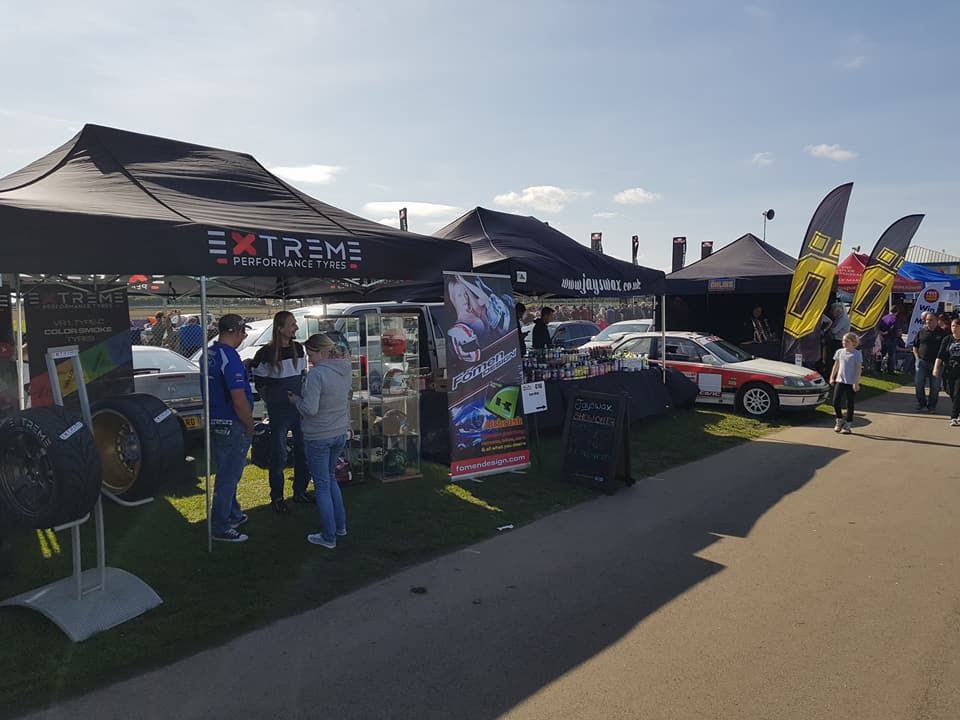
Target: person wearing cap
[(231, 426), (325, 419)]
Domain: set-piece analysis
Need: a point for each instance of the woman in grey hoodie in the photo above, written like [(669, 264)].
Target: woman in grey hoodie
[(325, 419)]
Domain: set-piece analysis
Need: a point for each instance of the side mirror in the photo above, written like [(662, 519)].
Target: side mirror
[(710, 360)]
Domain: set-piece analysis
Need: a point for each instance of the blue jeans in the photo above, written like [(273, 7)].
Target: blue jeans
[(280, 424), (322, 460), (230, 447), (889, 348), (924, 373)]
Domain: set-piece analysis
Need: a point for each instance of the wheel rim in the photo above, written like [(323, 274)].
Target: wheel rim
[(120, 451), (27, 475), (757, 401)]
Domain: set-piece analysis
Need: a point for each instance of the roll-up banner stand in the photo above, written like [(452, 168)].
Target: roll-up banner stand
[(97, 321), (9, 349), (488, 433)]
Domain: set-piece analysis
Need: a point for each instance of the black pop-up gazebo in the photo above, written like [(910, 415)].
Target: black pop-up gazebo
[(541, 260), (116, 203), (718, 293)]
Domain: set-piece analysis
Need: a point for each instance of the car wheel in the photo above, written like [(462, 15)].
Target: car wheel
[(758, 400), (49, 468), (141, 444)]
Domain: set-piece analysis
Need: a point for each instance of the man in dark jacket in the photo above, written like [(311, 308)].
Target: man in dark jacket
[(541, 333), (926, 347)]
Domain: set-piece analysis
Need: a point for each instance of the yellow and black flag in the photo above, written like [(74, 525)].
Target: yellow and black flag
[(876, 284), (813, 278)]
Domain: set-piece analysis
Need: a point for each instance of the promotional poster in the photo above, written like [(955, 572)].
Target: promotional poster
[(487, 429), (95, 320)]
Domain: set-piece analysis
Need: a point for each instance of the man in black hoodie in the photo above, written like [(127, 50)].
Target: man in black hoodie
[(541, 331)]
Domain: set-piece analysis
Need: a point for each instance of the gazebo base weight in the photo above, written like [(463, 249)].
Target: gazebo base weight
[(125, 597)]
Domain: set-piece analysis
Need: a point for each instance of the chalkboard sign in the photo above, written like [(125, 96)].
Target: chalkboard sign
[(596, 447)]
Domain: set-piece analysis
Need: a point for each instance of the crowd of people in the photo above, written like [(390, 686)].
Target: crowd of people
[(174, 331), (307, 390)]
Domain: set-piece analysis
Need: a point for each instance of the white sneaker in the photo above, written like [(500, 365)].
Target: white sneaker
[(847, 429), (954, 422), (317, 539), (839, 426)]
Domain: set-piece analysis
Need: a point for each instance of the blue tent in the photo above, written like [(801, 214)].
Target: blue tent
[(924, 274)]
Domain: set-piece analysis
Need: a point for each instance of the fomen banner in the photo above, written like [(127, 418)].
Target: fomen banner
[(813, 277), (873, 291), (97, 321), (488, 432)]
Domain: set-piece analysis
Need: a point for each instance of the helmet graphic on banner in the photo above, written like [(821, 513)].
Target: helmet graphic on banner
[(498, 314), (465, 342), (503, 402)]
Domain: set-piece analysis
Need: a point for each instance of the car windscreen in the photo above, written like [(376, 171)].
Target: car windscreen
[(726, 351), (622, 328), (159, 360)]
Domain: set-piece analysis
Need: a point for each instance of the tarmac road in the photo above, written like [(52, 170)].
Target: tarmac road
[(806, 575)]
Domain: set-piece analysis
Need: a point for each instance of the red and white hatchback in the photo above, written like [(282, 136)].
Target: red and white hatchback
[(727, 375)]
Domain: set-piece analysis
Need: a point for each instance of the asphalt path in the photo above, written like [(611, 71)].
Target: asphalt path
[(804, 575)]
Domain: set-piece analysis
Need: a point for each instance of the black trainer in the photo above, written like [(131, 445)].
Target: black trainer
[(305, 498), (231, 535), (280, 507)]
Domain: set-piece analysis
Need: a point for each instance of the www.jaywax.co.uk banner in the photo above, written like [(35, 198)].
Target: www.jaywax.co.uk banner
[(813, 277), (484, 365), (97, 321)]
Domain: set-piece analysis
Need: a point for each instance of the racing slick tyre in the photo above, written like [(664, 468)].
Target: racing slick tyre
[(49, 468), (141, 444), (758, 400)]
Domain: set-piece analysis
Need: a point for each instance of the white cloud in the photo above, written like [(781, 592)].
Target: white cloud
[(543, 198), (636, 196), (605, 215), (762, 159), (855, 62), (414, 210), (391, 221), (831, 152), (310, 174)]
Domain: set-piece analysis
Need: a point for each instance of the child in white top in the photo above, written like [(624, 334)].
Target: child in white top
[(845, 378)]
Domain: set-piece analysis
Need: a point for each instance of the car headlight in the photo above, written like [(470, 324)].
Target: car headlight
[(796, 382)]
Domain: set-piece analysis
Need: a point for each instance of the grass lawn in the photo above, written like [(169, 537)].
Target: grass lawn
[(210, 598)]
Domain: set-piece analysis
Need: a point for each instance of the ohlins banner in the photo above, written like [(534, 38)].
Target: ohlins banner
[(488, 434), (97, 321), (813, 277), (876, 284)]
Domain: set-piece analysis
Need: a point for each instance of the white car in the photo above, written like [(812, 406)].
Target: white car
[(728, 375), (613, 332)]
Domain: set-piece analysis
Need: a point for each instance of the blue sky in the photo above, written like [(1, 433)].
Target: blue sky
[(648, 118)]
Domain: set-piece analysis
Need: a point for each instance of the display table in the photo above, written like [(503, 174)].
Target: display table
[(647, 394), (648, 397)]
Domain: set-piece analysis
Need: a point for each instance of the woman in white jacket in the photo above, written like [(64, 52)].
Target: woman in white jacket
[(325, 420)]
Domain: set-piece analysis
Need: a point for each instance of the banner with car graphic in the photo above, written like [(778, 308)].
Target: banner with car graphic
[(488, 432)]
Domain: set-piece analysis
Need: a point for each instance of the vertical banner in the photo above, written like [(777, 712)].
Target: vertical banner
[(679, 253), (635, 245), (706, 249), (813, 277), (879, 274), (928, 300), (95, 320), (9, 397), (403, 219), (488, 434), (596, 242)]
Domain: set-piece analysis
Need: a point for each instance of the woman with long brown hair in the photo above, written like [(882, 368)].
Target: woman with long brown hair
[(279, 367)]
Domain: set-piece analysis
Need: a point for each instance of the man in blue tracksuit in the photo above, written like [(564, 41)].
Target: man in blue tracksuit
[(231, 427)]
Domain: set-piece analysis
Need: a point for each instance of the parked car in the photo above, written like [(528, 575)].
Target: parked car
[(728, 375), (567, 334), (613, 332), (174, 380)]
